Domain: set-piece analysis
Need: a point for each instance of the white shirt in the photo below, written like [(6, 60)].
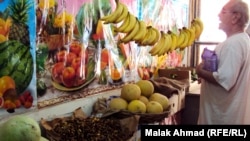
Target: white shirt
[(229, 104)]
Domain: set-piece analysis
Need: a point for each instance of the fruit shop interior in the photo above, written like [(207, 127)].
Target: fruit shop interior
[(93, 62)]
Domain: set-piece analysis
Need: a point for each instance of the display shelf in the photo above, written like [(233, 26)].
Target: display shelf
[(66, 108)]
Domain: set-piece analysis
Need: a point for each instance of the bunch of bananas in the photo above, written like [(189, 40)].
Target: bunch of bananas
[(184, 38), (134, 29), (166, 43), (187, 36), (146, 35)]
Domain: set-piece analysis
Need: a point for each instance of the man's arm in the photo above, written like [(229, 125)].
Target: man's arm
[(204, 74)]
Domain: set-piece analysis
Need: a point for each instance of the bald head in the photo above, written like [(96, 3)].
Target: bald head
[(241, 10)]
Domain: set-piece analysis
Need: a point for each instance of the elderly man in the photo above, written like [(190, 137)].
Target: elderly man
[(225, 93)]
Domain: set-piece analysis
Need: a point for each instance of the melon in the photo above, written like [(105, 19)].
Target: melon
[(144, 99), (17, 62), (137, 106), (20, 128), (162, 99), (154, 107), (130, 92), (146, 86), (118, 104)]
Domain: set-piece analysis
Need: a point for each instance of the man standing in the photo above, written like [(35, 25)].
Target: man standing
[(225, 93)]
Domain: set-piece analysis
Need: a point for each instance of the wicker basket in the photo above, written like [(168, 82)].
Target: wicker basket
[(145, 118), (100, 107)]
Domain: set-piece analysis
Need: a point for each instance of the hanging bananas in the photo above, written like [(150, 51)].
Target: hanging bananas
[(134, 29), (146, 35), (142, 31), (157, 47), (114, 17), (198, 26), (167, 44), (130, 36), (187, 36), (174, 39), (152, 37)]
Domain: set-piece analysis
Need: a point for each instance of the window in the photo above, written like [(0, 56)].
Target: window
[(211, 35)]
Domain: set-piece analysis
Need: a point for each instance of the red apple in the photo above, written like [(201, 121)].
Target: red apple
[(29, 98), (22, 99), (57, 71), (61, 56), (68, 76), (26, 94), (70, 56), (27, 104), (77, 63), (18, 103), (75, 48)]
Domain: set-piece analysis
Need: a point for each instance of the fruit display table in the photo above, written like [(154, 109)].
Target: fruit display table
[(177, 103), (86, 103)]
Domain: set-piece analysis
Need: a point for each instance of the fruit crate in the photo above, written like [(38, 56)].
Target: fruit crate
[(178, 73), (181, 74)]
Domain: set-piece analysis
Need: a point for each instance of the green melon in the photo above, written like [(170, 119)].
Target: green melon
[(16, 61)]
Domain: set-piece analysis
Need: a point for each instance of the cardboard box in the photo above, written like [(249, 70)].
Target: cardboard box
[(178, 73), (177, 101), (181, 99), (174, 103)]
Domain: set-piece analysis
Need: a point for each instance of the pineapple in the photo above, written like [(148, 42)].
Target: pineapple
[(19, 29)]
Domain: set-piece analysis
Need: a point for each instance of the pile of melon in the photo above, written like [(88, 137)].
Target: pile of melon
[(140, 97)]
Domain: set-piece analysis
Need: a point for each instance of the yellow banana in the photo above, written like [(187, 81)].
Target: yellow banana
[(157, 47), (123, 14), (156, 38), (199, 26), (196, 28), (124, 24), (113, 15), (142, 31), (167, 44), (187, 37), (192, 36), (181, 38), (131, 25), (148, 36), (129, 36), (174, 40)]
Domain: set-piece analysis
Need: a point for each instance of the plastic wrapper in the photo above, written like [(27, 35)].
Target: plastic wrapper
[(210, 60)]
